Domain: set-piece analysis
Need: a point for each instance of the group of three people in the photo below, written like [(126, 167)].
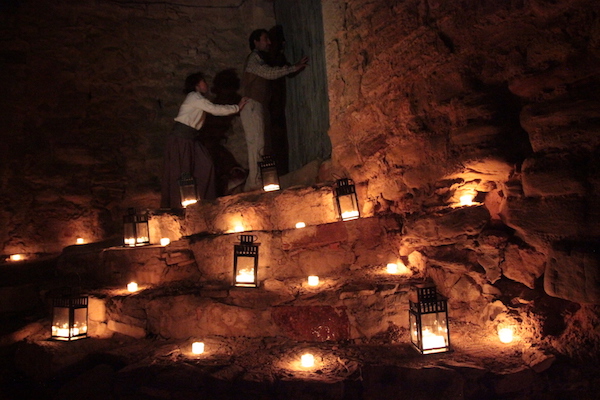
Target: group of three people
[(185, 156)]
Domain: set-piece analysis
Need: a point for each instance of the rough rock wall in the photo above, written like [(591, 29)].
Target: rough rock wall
[(433, 99), (89, 91)]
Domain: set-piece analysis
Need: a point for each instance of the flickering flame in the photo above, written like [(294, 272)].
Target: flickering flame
[(132, 287), (130, 241), (62, 331), (397, 268), (271, 187), (313, 280), (143, 239), (238, 228), (16, 257), (198, 347), (300, 225), (185, 203), (79, 241), (245, 275), (349, 215), (506, 335), (307, 360), (466, 200), (165, 241), (433, 343)]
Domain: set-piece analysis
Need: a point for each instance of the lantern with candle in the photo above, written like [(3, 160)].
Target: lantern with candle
[(69, 317), (268, 174), (428, 319), (245, 262), (187, 190), (135, 229), (346, 200)]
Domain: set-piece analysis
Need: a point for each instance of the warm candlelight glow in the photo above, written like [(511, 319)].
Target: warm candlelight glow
[(143, 239), (129, 241), (313, 280), (165, 241), (392, 268), (466, 200), (506, 335), (433, 342), (271, 187), (132, 287), (397, 268), (245, 275), (307, 360), (238, 228), (62, 331), (198, 347), (186, 203), (300, 225), (80, 241), (17, 257), (349, 215)]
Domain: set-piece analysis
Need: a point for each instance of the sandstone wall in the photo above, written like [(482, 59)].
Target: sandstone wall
[(90, 89)]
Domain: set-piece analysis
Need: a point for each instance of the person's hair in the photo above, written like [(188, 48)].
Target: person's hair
[(192, 81), (255, 36)]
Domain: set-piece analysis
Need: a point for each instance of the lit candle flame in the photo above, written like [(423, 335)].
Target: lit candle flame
[(271, 187), (132, 287), (307, 360), (300, 225), (80, 241), (186, 203), (165, 241), (17, 257), (198, 347), (349, 215), (313, 280), (505, 335), (466, 200)]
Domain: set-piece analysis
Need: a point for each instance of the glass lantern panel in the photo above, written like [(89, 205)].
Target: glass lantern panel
[(434, 329), (270, 179), (129, 233), (60, 322), (348, 207), (414, 328), (188, 195), (143, 234), (245, 274), (79, 322)]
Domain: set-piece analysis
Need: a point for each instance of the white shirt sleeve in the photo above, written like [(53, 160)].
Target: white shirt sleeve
[(195, 106)]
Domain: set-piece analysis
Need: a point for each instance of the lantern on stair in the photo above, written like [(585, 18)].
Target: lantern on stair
[(268, 174), (187, 190), (135, 229), (428, 320), (69, 317), (346, 200), (245, 262)]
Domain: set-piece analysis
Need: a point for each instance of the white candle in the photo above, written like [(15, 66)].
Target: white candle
[(348, 215), (300, 225), (307, 360), (271, 187), (79, 241), (505, 335), (198, 347), (432, 341), (186, 203), (132, 287), (313, 280), (165, 241)]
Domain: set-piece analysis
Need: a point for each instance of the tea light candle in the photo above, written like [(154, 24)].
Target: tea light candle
[(132, 287), (300, 225), (79, 241), (165, 241), (307, 360), (392, 268), (505, 335), (16, 257), (466, 200), (198, 347), (313, 280)]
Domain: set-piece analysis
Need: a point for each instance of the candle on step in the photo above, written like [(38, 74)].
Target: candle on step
[(132, 287), (307, 360), (165, 241), (80, 241), (198, 347), (313, 280), (17, 257), (506, 334), (300, 225)]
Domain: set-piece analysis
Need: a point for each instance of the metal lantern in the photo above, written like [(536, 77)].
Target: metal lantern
[(245, 262), (135, 229), (428, 319), (69, 317), (346, 200), (187, 190), (268, 174)]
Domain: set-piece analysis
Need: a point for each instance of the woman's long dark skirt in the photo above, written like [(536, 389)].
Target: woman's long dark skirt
[(183, 154)]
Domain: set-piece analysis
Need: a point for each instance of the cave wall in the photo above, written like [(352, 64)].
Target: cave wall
[(90, 89), (431, 99)]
